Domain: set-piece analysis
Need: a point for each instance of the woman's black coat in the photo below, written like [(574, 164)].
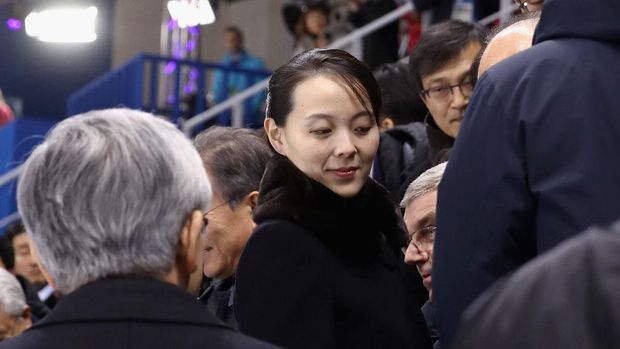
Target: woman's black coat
[(323, 271)]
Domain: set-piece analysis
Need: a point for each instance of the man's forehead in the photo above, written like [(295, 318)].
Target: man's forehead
[(421, 206), (21, 239), (456, 68)]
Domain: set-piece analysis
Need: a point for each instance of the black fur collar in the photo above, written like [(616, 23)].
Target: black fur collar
[(355, 228)]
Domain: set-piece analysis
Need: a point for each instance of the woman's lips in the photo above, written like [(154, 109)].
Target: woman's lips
[(345, 172)]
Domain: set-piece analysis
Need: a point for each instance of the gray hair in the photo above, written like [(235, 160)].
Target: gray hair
[(12, 298), (107, 193), (235, 159), (425, 183)]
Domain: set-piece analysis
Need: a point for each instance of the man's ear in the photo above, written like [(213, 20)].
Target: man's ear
[(276, 136), (387, 123), (252, 199), (189, 243)]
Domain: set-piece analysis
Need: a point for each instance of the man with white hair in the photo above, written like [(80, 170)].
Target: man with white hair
[(14, 312), (420, 204), (113, 201)]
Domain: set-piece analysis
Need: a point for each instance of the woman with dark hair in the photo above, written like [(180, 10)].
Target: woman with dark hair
[(324, 267)]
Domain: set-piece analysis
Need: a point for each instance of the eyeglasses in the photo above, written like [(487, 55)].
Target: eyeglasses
[(205, 219), (523, 4), (442, 93), (424, 238)]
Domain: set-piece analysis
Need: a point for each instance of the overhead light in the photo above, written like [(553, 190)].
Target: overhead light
[(63, 25), (190, 13)]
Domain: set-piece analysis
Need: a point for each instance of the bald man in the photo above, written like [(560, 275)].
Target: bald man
[(510, 41)]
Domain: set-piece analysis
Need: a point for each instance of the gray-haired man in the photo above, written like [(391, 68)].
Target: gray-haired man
[(420, 204), (15, 314), (113, 201)]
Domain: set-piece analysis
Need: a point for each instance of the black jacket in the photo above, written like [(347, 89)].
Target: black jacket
[(405, 152), (536, 160), (130, 313), (218, 299), (322, 271), (567, 298)]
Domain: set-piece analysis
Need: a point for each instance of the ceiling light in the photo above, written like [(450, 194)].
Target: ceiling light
[(190, 13), (63, 25)]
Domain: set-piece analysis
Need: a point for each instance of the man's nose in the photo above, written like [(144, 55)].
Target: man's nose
[(414, 256), (459, 100)]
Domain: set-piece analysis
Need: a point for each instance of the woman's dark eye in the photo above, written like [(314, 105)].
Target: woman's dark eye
[(363, 130), (321, 131)]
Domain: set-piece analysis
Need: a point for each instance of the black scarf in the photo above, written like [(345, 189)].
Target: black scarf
[(355, 228)]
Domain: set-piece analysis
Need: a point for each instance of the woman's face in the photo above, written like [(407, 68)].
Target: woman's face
[(329, 135)]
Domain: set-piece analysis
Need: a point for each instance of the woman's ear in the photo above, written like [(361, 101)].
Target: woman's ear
[(276, 136)]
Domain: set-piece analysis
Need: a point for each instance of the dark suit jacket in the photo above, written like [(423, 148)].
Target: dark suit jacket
[(130, 313)]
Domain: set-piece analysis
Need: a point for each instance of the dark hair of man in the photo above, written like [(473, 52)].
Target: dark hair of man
[(234, 29), (440, 44), (401, 97), (6, 244), (235, 159), (475, 65), (321, 62)]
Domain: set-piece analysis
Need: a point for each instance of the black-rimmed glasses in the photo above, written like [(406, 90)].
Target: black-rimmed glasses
[(442, 93)]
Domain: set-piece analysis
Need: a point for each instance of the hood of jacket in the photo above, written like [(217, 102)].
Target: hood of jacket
[(595, 20)]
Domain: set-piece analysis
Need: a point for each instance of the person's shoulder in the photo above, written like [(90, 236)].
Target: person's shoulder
[(578, 274), (57, 337)]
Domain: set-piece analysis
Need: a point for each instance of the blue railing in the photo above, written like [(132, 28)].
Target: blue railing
[(159, 85)]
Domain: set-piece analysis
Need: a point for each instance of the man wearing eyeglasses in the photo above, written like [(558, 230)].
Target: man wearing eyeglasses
[(229, 218), (420, 204), (440, 65)]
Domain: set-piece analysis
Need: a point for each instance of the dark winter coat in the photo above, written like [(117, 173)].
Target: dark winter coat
[(405, 152), (218, 299), (568, 298), (323, 271), (536, 160), (129, 313)]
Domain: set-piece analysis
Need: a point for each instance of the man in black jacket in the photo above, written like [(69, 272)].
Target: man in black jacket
[(536, 160), (113, 201)]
